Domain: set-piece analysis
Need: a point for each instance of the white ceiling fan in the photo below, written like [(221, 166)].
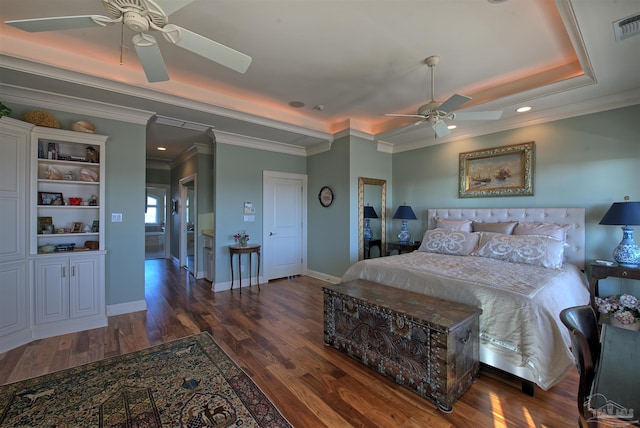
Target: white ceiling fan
[(142, 16), (435, 113)]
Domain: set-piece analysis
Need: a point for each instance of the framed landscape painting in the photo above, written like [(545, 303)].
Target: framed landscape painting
[(500, 171)]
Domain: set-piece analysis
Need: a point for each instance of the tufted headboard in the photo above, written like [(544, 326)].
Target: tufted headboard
[(574, 252)]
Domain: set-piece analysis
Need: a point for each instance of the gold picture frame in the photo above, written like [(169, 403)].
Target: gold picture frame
[(500, 171), (76, 227)]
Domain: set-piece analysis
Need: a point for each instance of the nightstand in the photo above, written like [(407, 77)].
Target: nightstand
[(402, 248), (371, 243), (600, 271)]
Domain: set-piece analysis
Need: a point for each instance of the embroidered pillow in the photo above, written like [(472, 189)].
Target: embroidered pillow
[(537, 250), (558, 231), (505, 227), (448, 241), (445, 223)]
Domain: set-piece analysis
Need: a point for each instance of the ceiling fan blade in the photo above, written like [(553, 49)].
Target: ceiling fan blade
[(478, 115), (417, 116), (57, 23), (441, 128), (170, 6), (455, 101), (150, 57), (207, 48)]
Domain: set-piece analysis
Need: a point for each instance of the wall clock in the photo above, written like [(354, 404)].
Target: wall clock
[(325, 196)]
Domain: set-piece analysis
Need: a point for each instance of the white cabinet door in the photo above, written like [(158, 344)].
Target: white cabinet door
[(13, 189), (83, 287), (13, 300), (52, 289)]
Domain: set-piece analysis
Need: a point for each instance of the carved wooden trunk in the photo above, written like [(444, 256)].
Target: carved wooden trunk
[(428, 345)]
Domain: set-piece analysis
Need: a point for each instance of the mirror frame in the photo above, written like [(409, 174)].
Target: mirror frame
[(375, 182)]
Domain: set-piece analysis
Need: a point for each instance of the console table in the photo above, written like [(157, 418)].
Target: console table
[(240, 250), (614, 393), (601, 271)]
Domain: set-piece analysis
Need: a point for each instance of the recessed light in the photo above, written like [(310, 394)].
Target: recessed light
[(296, 104), (523, 109), (451, 126), (161, 148)]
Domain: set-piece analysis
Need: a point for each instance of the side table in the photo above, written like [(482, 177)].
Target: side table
[(368, 244), (240, 250), (400, 247), (600, 271)]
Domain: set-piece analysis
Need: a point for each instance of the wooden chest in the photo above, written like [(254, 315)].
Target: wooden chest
[(428, 345)]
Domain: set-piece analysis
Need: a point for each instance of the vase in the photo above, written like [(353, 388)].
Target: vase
[(243, 242), (633, 326)]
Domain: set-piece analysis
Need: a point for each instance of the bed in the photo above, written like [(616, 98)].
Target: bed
[(520, 331)]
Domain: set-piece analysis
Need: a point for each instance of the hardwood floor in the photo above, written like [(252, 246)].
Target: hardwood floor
[(276, 336)]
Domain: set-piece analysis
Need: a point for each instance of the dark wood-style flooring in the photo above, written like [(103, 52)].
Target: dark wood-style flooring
[(276, 336)]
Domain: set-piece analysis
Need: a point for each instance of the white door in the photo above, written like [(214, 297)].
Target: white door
[(284, 224)]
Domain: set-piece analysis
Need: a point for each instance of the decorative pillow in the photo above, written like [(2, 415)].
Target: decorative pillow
[(448, 241), (445, 223), (537, 250), (558, 231), (505, 227)]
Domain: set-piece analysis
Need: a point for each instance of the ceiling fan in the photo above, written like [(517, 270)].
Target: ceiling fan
[(142, 16), (435, 113)]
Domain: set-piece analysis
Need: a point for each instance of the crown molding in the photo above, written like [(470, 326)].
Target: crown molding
[(257, 143), (158, 164), (49, 100), (310, 128)]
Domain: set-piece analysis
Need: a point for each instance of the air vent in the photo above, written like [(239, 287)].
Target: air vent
[(627, 27)]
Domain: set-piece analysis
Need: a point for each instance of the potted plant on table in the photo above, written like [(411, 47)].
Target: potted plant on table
[(623, 310), (241, 238)]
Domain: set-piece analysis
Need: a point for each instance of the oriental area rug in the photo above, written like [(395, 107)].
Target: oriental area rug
[(189, 382)]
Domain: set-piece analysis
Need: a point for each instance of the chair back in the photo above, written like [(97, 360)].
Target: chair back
[(583, 319), (585, 345)]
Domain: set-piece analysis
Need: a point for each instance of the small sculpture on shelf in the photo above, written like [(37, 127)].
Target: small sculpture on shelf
[(93, 200), (93, 155)]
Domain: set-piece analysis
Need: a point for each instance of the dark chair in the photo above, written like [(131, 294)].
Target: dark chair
[(585, 344)]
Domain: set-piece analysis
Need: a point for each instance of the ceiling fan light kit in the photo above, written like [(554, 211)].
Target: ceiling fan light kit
[(142, 16), (435, 113)]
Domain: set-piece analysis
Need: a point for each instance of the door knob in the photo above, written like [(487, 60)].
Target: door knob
[(271, 233)]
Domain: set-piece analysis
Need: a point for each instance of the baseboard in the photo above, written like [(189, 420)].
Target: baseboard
[(324, 277), (126, 308), (16, 339), (68, 326), (224, 286)]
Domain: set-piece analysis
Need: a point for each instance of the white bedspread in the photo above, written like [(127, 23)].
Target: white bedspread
[(520, 303)]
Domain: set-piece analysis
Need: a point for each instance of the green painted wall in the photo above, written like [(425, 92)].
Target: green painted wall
[(367, 162), (328, 227), (588, 161), (158, 176), (238, 178)]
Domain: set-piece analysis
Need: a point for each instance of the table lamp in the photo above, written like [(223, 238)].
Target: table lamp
[(625, 214), (369, 213), (404, 213)]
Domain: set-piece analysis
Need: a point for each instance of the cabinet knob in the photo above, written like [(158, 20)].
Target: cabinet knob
[(625, 273)]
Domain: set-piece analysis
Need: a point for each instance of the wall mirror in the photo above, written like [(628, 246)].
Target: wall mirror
[(372, 192)]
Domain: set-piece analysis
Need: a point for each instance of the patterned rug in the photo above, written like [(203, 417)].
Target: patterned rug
[(190, 382)]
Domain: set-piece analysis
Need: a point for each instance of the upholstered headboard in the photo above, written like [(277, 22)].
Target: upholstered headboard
[(574, 252)]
